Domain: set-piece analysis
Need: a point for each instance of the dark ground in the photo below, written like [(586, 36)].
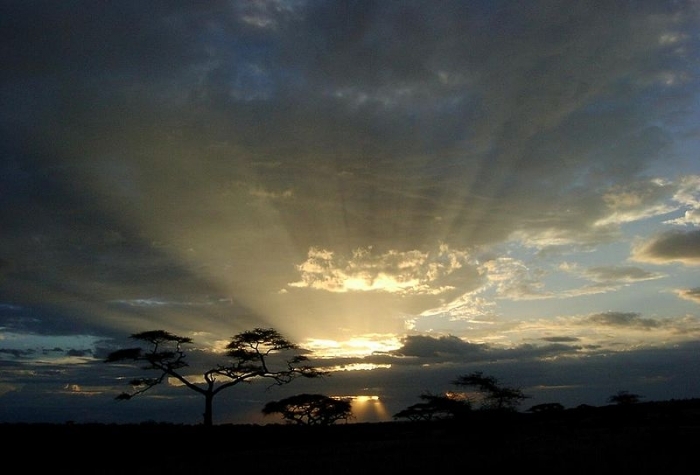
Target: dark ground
[(659, 437)]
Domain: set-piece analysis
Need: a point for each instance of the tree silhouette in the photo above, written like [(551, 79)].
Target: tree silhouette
[(447, 406), (624, 398), (250, 352), (310, 409), (496, 397)]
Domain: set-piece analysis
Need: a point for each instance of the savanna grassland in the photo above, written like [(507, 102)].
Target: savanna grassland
[(653, 437)]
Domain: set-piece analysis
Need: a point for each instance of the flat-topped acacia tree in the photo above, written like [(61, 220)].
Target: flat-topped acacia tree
[(496, 397), (249, 353), (311, 409)]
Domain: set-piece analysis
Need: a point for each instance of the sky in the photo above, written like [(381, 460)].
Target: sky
[(409, 190)]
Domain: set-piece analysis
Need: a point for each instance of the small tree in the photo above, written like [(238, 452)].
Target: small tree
[(250, 356), (310, 409), (447, 406), (496, 397), (624, 398)]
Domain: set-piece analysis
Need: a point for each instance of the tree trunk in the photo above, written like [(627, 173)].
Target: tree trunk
[(208, 416)]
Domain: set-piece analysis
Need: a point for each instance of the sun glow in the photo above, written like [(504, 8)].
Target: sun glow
[(366, 398), (368, 408), (359, 346), (359, 367)]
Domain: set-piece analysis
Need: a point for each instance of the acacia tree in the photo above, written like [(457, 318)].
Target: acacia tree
[(447, 406), (310, 409), (496, 397), (624, 398), (250, 353)]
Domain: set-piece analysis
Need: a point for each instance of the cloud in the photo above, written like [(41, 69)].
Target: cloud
[(79, 353), (17, 353), (560, 339), (637, 201), (513, 279), (409, 272), (454, 349), (690, 217), (528, 351), (620, 274), (688, 195), (690, 294), (622, 319), (260, 193), (668, 247), (428, 346), (605, 209)]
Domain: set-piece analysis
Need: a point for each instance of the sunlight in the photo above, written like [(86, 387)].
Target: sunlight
[(363, 399), (358, 367), (358, 346), (367, 408)]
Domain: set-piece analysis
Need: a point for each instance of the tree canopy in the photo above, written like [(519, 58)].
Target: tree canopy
[(311, 409), (250, 357), (624, 398), (446, 406), (496, 397)]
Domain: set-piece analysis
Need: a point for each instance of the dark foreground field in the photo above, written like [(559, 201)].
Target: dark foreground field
[(660, 438)]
